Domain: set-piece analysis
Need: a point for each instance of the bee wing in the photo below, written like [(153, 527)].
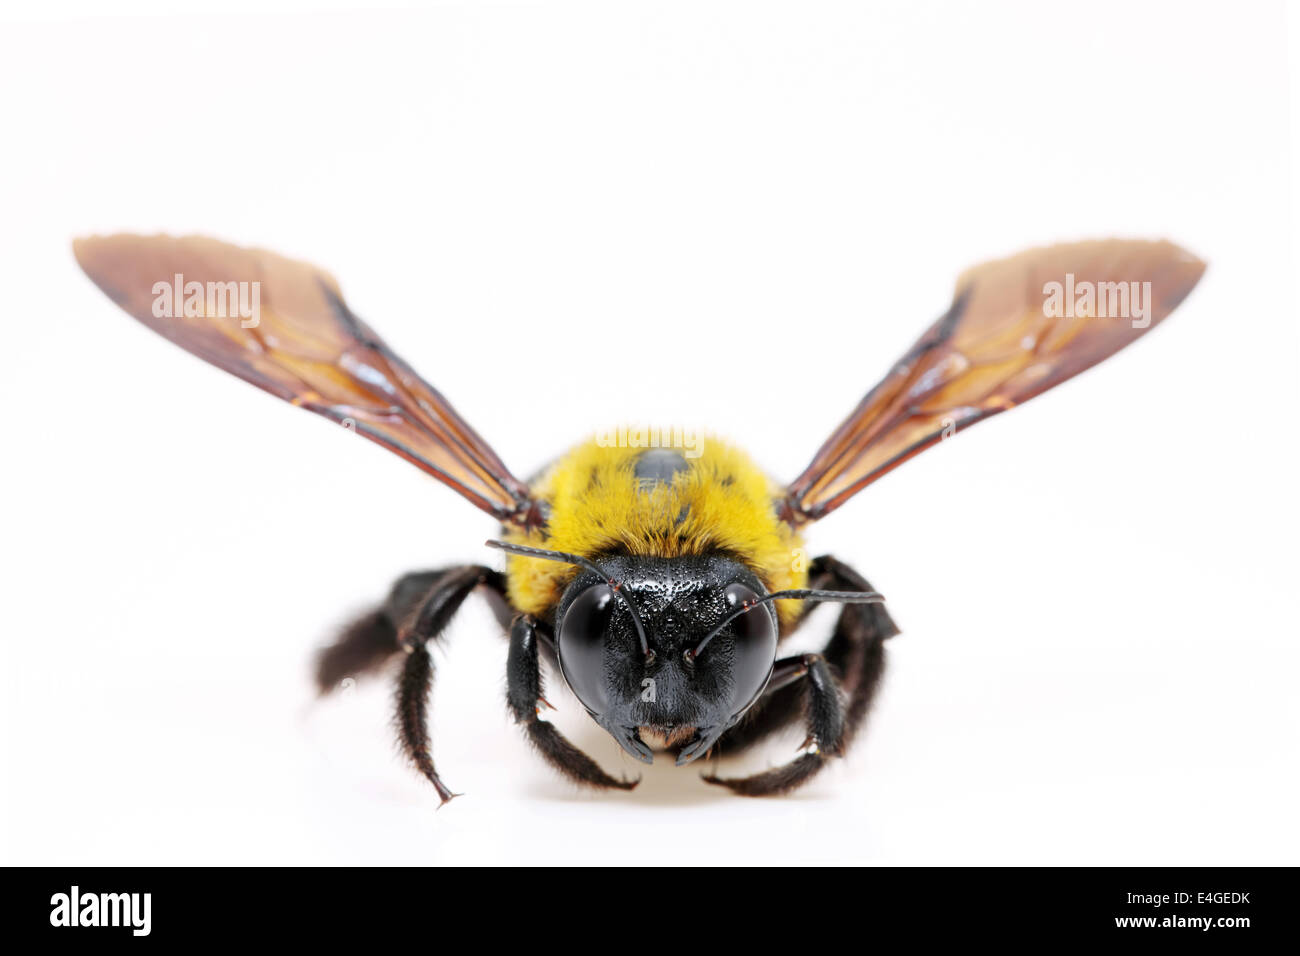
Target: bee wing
[(304, 345), (999, 345)]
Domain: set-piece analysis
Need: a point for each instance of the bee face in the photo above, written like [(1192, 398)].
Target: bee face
[(669, 692)]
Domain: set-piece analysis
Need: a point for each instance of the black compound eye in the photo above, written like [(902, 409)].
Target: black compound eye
[(755, 637), (581, 646)]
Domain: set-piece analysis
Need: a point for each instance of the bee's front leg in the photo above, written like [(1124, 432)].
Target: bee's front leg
[(524, 694), (825, 719), (855, 653)]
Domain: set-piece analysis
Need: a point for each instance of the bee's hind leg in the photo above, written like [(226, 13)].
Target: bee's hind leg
[(856, 657), (364, 646), (524, 696)]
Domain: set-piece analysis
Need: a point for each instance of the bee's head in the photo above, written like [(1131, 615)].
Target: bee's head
[(660, 646), (678, 648)]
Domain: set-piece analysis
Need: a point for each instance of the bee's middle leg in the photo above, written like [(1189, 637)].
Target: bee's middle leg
[(371, 640), (418, 609)]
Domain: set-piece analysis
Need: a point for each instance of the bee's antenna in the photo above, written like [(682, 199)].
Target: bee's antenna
[(796, 594), (566, 557)]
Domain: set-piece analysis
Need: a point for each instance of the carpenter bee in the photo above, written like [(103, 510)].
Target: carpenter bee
[(660, 581)]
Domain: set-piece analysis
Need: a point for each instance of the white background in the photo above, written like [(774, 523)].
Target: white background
[(727, 215)]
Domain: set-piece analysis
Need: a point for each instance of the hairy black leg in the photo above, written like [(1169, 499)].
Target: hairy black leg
[(782, 701), (824, 717), (420, 594), (523, 694), (776, 709), (855, 654), (856, 649), (425, 618), (368, 642), (413, 718), (417, 609), (364, 646), (372, 639), (423, 621)]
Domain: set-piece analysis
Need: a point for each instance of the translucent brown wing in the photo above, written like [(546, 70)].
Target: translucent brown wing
[(1009, 335), (294, 336)]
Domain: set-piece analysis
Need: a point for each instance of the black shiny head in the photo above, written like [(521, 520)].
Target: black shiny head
[(679, 647), (672, 691)]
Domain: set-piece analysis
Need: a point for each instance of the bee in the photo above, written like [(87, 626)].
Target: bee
[(659, 581)]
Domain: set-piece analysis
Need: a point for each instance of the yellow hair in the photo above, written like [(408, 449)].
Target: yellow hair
[(720, 502)]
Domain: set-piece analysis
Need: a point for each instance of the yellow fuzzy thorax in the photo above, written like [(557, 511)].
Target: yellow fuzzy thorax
[(721, 502)]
